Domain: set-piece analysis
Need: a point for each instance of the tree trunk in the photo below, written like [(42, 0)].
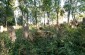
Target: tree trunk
[(48, 18), (35, 5), (68, 16), (36, 20), (57, 22), (26, 28), (15, 21), (58, 16), (57, 19), (44, 19)]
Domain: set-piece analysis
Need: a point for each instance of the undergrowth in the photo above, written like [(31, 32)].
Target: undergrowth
[(68, 41)]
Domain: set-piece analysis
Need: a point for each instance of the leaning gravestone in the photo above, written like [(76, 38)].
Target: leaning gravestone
[(1, 28), (12, 34)]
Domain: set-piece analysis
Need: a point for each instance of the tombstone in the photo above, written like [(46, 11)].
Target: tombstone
[(26, 33), (25, 30), (1, 28), (83, 21), (12, 34)]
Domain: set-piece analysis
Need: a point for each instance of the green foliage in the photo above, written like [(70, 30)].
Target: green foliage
[(2, 12), (47, 5), (5, 44), (68, 42), (6, 13), (64, 41), (67, 7)]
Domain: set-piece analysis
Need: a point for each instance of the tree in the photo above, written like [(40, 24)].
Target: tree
[(24, 10), (68, 8), (47, 8), (71, 6), (2, 14), (81, 6), (7, 14), (57, 8)]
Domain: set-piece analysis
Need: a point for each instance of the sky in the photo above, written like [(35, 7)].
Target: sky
[(62, 3)]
